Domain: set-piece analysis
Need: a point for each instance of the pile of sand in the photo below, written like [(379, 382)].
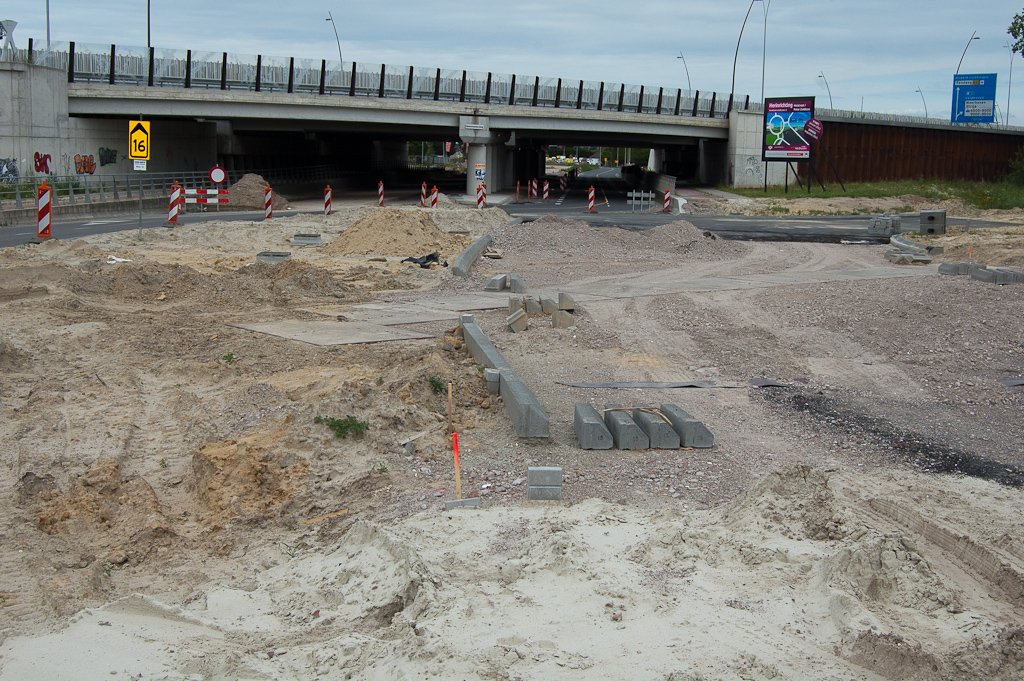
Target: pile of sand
[(247, 194), (408, 232)]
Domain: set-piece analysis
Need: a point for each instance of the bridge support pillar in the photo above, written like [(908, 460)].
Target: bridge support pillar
[(656, 161), (486, 160)]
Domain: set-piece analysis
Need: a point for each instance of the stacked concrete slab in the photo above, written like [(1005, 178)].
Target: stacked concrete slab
[(528, 417), (544, 483), (560, 311)]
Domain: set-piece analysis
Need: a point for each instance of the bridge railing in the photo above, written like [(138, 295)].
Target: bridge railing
[(156, 67)]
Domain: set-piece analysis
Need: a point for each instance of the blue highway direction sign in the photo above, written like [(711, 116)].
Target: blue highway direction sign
[(974, 98)]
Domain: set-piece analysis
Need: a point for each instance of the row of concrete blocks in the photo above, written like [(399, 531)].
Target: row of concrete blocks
[(908, 258), (639, 427), (987, 275), (528, 418), (500, 282), (520, 309)]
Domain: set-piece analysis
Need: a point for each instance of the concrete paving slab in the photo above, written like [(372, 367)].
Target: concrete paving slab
[(541, 493), (332, 333)]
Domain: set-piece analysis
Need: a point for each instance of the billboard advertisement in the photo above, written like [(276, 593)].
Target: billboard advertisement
[(784, 137), (974, 98)]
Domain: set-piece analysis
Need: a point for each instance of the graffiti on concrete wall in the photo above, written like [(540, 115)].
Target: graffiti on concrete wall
[(754, 169), (9, 169), (42, 163), (85, 165), (108, 156)]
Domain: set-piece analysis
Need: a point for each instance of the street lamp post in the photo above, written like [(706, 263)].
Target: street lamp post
[(149, 37), (732, 89), (1010, 85), (688, 86), (918, 91), (336, 38), (974, 36), (827, 88)]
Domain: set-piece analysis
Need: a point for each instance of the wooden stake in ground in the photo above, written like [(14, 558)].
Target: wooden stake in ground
[(450, 429), (458, 476)]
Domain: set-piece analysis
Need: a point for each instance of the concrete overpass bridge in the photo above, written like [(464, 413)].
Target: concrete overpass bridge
[(64, 111)]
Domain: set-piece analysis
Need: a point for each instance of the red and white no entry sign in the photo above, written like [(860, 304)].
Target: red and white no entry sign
[(218, 174)]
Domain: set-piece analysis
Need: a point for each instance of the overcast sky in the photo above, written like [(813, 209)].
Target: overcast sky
[(874, 54)]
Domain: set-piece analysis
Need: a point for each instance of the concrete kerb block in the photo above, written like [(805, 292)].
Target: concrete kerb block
[(544, 483), (692, 433), (544, 493), (497, 283), (516, 303), (949, 268), (493, 379), (473, 502), (464, 261), (659, 431), (561, 319), (518, 321), (984, 275), (591, 431), (625, 433), (566, 302), (515, 284), (533, 306), (548, 305), (480, 347), (528, 417)]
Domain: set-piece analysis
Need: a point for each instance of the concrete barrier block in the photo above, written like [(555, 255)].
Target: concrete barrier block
[(464, 261), (933, 222), (548, 305), (984, 275), (533, 306), (566, 302), (497, 283), (539, 493), (544, 476), (473, 502), (659, 431), (515, 284), (949, 268), (515, 303), (591, 431), (692, 433), (480, 347), (963, 268), (625, 433), (562, 320), (517, 321), (528, 417)]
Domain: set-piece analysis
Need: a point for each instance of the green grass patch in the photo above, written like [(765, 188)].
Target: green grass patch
[(342, 427), (1004, 194)]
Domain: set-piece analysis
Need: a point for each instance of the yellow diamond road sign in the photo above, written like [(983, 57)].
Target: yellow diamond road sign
[(138, 140)]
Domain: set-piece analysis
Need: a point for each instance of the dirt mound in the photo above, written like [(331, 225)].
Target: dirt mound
[(248, 194), (396, 232)]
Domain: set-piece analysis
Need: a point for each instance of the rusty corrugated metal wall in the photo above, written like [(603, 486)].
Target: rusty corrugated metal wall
[(865, 152)]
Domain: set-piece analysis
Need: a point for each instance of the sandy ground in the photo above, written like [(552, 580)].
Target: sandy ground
[(173, 509)]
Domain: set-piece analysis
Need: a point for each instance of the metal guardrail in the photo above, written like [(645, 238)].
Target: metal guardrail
[(156, 67), (20, 192)]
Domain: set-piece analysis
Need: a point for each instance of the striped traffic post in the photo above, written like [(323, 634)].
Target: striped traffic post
[(533, 188), (484, 185), (590, 198), (433, 197), (479, 196), (44, 197), (268, 203), (563, 183), (423, 195), (380, 194), (547, 188), (327, 200), (174, 204), (668, 200)]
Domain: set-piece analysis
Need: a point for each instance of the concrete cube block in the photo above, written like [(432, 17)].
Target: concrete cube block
[(493, 379), (566, 302), (515, 303), (692, 433), (562, 320), (515, 284), (466, 319), (497, 283), (933, 222), (625, 433), (548, 305), (591, 431), (659, 431), (473, 502), (540, 493), (533, 306), (517, 321), (544, 476)]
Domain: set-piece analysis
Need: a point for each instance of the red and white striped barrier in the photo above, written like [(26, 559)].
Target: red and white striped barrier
[(204, 196), (327, 200), (668, 200), (268, 203), (590, 198), (479, 196), (484, 185), (44, 198), (533, 188), (423, 195), (380, 194), (174, 204), (547, 189), (563, 183), (433, 197)]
